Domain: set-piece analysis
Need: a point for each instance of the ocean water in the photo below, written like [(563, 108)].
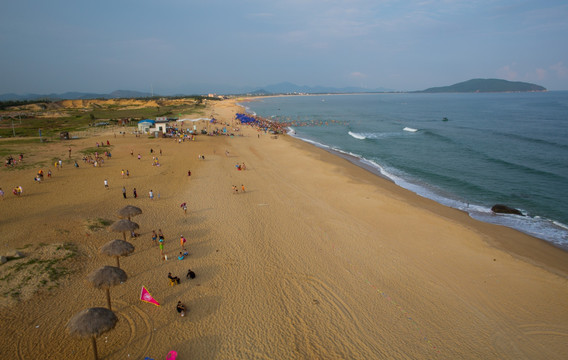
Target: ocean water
[(509, 148)]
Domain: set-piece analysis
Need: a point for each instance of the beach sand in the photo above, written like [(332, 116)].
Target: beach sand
[(318, 259)]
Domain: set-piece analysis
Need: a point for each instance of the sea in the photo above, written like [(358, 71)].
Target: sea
[(466, 151)]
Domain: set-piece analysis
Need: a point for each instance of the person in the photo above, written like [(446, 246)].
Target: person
[(188, 172), (69, 152), (161, 246), (180, 256), (174, 279), (182, 242), (184, 207), (76, 165), (161, 235), (124, 192), (134, 193), (151, 193), (1, 194), (122, 173), (180, 308), (127, 173), (131, 152), (106, 184), (190, 274), (49, 174), (139, 157), (154, 237), (242, 187)]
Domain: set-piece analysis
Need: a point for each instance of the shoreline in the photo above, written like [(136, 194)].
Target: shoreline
[(527, 247), (555, 230), (318, 258)]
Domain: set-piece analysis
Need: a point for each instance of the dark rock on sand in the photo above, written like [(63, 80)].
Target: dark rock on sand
[(504, 209)]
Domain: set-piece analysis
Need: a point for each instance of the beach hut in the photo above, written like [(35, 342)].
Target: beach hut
[(145, 125)]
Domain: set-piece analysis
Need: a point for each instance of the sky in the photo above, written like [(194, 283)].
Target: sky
[(189, 46)]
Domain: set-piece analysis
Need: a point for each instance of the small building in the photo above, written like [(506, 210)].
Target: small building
[(145, 125)]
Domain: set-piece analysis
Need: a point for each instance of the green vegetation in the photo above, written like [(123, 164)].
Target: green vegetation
[(486, 85), (43, 266), (28, 123), (98, 224)]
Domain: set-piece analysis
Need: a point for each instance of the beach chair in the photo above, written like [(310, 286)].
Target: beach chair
[(174, 281)]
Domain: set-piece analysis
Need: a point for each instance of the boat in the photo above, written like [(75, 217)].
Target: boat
[(410, 129)]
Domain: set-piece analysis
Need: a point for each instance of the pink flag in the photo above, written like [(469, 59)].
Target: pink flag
[(145, 296)]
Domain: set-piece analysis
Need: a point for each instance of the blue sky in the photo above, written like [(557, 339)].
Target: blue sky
[(176, 46)]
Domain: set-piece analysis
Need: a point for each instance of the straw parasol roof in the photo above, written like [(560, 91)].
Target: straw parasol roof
[(92, 323), (128, 211), (123, 226), (117, 248), (105, 277)]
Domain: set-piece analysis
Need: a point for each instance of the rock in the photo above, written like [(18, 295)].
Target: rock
[(3, 259), (504, 209)]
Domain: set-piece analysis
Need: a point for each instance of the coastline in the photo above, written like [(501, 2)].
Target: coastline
[(534, 250), (538, 221), (319, 258)]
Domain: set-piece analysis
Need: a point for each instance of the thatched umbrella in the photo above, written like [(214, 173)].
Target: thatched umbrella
[(117, 248), (92, 323), (105, 277), (128, 211), (123, 226)]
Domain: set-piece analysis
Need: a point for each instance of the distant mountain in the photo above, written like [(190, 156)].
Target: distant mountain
[(485, 85), (118, 94), (290, 88)]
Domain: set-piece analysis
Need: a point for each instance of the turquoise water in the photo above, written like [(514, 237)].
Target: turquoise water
[(509, 148)]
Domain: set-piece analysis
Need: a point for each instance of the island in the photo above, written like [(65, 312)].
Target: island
[(486, 85)]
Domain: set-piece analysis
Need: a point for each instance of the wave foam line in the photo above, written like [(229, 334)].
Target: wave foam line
[(357, 136)]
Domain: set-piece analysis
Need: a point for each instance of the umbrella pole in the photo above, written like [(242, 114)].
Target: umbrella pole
[(117, 262), (95, 347), (124, 235), (108, 298)]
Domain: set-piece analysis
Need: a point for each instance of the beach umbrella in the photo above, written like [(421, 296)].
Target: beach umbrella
[(105, 277), (128, 211), (92, 323), (117, 248), (123, 226)]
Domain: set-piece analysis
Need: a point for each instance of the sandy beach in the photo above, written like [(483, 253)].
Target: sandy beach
[(317, 259)]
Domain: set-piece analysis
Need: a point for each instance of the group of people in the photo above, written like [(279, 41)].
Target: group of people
[(236, 189), (174, 280)]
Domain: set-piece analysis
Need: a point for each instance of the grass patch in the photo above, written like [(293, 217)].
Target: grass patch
[(98, 224), (43, 267), (93, 150)]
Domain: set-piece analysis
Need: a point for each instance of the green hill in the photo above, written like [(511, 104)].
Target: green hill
[(486, 85)]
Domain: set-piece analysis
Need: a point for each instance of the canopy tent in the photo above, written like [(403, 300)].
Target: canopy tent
[(245, 119)]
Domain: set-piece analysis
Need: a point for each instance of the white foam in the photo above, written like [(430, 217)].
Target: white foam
[(357, 136)]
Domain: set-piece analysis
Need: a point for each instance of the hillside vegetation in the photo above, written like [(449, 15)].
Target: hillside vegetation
[(486, 85)]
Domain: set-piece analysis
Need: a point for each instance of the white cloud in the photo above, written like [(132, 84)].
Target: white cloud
[(507, 72), (560, 70), (357, 75), (541, 74)]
